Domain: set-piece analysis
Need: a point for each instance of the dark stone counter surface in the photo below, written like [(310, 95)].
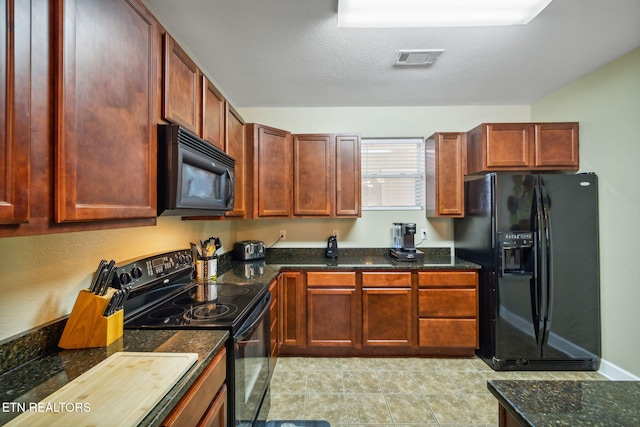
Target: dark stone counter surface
[(41, 377), (570, 403)]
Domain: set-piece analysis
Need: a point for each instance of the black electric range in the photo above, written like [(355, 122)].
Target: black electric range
[(165, 296)]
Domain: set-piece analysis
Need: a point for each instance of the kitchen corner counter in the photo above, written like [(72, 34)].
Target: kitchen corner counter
[(569, 403), (39, 378)]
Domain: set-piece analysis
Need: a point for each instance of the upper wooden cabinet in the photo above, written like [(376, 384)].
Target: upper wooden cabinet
[(235, 146), (105, 144), (181, 87), (445, 168), (326, 180), (213, 114), (15, 110), (270, 154), (522, 146)]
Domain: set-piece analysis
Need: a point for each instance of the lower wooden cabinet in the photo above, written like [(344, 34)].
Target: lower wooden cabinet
[(369, 313), (274, 330), (331, 309), (205, 404)]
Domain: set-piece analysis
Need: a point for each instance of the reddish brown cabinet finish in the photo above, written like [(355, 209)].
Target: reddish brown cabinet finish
[(386, 309), (205, 403), (348, 176), (106, 136), (522, 146), (272, 163), (293, 324), (181, 87), (331, 309), (15, 110), (448, 309), (236, 147), (213, 114), (313, 175), (445, 168)]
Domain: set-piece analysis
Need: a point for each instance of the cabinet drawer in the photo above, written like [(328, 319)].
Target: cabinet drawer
[(447, 303), (448, 333), (331, 279), (447, 278), (386, 280), (195, 402)]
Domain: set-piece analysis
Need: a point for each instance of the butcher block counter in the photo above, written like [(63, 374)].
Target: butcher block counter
[(34, 381), (567, 403)]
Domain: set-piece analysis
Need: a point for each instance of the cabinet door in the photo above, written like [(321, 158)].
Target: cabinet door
[(331, 309), (272, 172), (236, 147), (213, 112), (556, 145), (313, 179), (445, 167), (348, 176), (509, 145), (216, 415), (181, 90), (292, 299), (15, 109), (106, 135), (386, 317)]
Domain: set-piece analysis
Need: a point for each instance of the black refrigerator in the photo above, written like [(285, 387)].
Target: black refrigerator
[(536, 238)]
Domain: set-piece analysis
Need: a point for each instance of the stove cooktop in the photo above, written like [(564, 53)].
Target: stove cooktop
[(193, 305)]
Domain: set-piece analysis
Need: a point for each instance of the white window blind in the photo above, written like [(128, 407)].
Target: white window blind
[(392, 173)]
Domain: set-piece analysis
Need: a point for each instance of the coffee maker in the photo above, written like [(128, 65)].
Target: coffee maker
[(403, 243)]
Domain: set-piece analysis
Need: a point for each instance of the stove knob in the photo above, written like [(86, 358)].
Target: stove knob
[(136, 272), (125, 278), (182, 259)]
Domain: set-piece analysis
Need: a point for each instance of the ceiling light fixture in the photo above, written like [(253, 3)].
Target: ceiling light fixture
[(437, 13)]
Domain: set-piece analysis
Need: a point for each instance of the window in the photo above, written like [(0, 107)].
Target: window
[(392, 173)]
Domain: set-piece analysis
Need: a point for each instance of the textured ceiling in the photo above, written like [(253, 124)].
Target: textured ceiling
[(290, 53)]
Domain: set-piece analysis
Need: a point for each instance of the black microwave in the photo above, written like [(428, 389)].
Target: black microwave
[(194, 177)]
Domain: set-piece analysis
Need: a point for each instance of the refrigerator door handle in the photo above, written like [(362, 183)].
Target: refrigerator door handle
[(548, 264), (540, 283)]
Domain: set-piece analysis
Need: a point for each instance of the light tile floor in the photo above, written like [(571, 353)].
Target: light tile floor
[(368, 392)]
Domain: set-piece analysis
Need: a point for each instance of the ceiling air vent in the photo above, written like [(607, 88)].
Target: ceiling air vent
[(417, 57)]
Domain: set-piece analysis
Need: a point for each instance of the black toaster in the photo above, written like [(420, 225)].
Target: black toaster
[(248, 250)]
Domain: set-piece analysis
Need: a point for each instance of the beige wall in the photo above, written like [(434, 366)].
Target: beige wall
[(607, 105)]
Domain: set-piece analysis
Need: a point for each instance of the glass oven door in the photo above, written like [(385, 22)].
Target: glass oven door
[(251, 354)]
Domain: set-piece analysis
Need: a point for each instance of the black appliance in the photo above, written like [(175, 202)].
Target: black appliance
[(403, 243), (194, 177), (536, 237), (248, 250), (332, 247), (163, 296)]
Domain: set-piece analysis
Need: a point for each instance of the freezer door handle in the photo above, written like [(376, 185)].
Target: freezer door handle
[(539, 286), (548, 263)]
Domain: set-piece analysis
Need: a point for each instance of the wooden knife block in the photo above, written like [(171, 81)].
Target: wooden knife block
[(87, 327)]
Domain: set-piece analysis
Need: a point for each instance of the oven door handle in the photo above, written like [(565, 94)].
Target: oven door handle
[(254, 318)]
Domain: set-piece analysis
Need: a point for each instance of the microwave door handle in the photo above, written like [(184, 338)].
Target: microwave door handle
[(228, 187)]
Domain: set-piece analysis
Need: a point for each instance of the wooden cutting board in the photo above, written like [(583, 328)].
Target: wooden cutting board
[(119, 391)]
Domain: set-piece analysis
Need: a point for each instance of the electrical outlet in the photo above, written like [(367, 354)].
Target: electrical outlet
[(283, 234), (336, 233), (423, 233)]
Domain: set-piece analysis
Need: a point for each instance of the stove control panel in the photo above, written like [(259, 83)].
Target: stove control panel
[(144, 271)]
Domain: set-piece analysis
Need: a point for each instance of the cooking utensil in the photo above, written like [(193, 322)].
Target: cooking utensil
[(96, 275)]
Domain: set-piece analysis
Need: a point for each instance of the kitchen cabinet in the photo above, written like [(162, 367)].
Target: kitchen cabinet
[(212, 114), (293, 324), (270, 155), (181, 91), (445, 169), (274, 348), (15, 110), (386, 309), (448, 309), (331, 309), (326, 179), (205, 403), (235, 146), (105, 150), (522, 146)]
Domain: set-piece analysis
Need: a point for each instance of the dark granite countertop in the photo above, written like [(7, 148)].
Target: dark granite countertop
[(263, 271), (41, 377), (570, 403)]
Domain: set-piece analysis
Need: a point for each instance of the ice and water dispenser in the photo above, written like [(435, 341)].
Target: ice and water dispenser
[(517, 253)]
